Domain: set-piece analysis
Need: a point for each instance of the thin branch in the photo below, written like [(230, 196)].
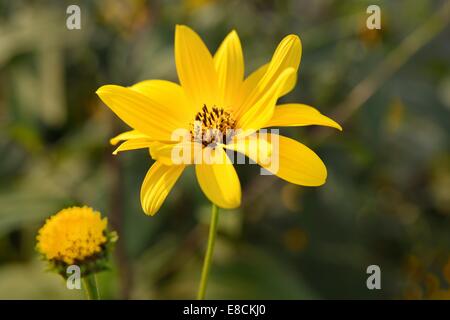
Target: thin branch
[(391, 64)]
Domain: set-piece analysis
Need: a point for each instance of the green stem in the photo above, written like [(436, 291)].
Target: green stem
[(209, 252), (90, 287)]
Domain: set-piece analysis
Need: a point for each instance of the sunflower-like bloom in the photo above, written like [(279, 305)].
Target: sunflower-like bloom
[(74, 235), (220, 110)]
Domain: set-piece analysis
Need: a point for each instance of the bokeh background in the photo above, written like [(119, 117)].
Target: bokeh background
[(386, 201)]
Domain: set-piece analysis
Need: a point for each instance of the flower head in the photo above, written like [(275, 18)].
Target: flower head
[(74, 235), (219, 110)]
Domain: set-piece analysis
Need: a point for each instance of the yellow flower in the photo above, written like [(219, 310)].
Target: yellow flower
[(214, 94), (72, 235)]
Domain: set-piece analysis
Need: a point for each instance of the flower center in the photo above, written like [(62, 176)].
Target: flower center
[(212, 126)]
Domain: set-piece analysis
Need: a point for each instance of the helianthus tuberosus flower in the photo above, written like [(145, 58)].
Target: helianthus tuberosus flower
[(75, 235), (219, 110)]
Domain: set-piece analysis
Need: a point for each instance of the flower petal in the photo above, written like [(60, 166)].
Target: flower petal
[(195, 68), (175, 153), (157, 184), (140, 112), (218, 179), (287, 55), (297, 163), (128, 135), (256, 148), (133, 144), (170, 95), (291, 161), (262, 110), (247, 87), (229, 64), (294, 114)]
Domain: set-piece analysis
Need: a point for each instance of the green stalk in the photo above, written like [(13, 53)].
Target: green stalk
[(209, 252), (90, 287)]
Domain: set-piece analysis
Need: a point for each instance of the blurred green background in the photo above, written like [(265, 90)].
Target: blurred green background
[(386, 200)]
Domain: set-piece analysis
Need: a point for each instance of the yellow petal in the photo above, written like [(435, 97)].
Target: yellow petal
[(157, 184), (195, 68), (292, 161), (259, 150), (294, 114), (229, 64), (175, 153), (128, 135), (140, 112), (287, 55), (168, 94), (218, 179), (262, 110), (133, 144), (246, 89), (297, 163)]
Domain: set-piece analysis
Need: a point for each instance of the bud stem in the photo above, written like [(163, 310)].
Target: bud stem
[(90, 287)]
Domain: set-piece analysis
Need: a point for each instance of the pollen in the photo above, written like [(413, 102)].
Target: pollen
[(212, 125), (72, 235)]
